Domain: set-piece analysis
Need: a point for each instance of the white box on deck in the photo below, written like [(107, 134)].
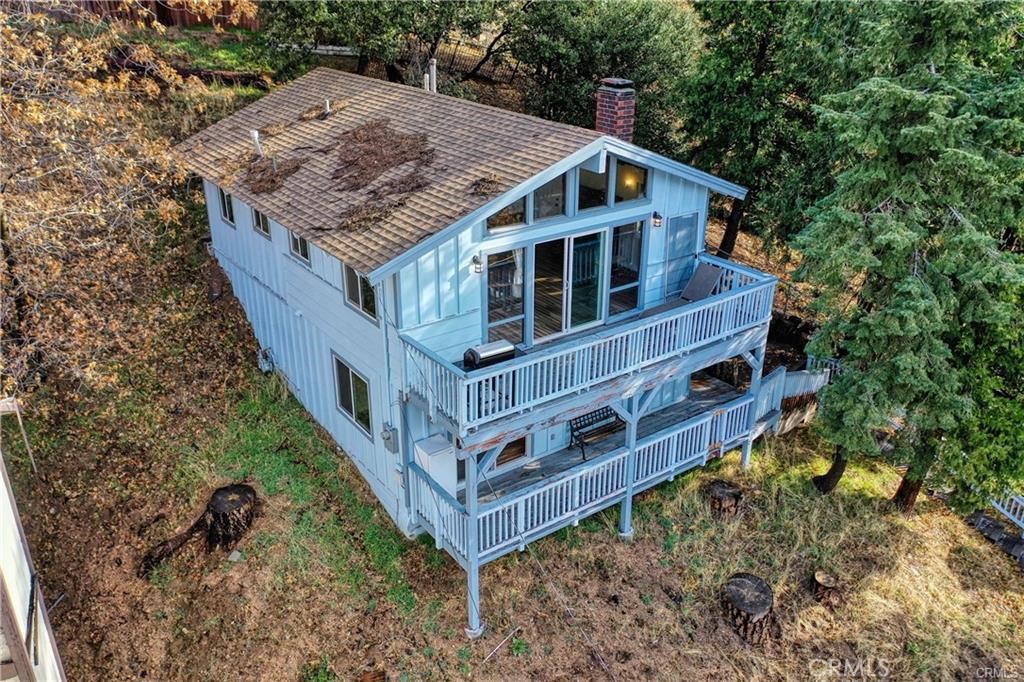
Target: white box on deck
[(436, 456)]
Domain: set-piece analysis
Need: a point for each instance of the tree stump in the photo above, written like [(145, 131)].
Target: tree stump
[(228, 514), (826, 589), (724, 497), (748, 602)]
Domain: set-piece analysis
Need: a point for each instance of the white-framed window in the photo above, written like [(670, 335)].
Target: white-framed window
[(353, 395), (227, 208), (260, 223), (298, 246), (359, 293)]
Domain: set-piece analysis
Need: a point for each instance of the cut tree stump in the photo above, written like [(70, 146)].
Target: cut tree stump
[(748, 602), (228, 514), (826, 589), (724, 497)]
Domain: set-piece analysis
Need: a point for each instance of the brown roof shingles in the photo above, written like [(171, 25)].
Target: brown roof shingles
[(469, 142)]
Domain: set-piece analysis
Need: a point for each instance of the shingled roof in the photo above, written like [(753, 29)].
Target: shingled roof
[(388, 167)]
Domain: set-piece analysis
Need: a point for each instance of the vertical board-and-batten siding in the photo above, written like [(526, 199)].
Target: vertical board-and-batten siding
[(440, 295), (299, 312)]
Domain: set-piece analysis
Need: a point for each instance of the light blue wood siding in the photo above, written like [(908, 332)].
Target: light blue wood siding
[(298, 312)]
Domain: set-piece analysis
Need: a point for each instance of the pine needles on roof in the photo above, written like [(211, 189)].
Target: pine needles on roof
[(266, 174), (275, 128), (369, 150), (485, 186)]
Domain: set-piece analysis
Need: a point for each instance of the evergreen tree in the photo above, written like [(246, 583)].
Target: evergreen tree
[(568, 47), (748, 108), (918, 288)]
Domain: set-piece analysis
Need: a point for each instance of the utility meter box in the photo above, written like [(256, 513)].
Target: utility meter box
[(436, 456)]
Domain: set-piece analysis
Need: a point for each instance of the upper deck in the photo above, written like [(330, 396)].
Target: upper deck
[(740, 300)]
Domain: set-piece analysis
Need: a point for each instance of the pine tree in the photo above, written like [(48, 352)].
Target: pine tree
[(748, 108), (919, 288)]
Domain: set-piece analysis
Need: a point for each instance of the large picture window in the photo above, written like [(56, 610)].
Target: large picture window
[(359, 293), (353, 394), (627, 255), (549, 199), (593, 189), (505, 272), (513, 214), (630, 182), (227, 208)]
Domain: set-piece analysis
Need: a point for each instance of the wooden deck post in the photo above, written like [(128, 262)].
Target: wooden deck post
[(476, 626), (626, 514), (756, 361)]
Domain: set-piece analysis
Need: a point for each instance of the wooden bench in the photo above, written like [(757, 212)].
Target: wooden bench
[(592, 427)]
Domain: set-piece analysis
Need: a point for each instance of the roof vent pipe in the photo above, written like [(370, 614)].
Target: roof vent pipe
[(426, 82), (433, 75), (256, 142), (327, 107)]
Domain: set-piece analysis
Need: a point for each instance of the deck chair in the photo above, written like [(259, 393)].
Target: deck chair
[(702, 283)]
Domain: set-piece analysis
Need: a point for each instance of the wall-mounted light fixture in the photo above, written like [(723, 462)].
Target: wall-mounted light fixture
[(478, 264), (656, 219)]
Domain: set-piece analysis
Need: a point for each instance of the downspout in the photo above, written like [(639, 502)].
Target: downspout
[(405, 440)]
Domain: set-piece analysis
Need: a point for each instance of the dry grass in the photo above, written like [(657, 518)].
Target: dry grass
[(328, 584)]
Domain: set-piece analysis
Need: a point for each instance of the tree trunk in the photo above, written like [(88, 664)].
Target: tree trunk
[(363, 64), (732, 229), (906, 495), (394, 73), (828, 481), (748, 602)]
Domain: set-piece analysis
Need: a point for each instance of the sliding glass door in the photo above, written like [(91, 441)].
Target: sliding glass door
[(568, 284)]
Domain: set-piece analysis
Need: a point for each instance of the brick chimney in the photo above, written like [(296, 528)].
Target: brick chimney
[(616, 102)]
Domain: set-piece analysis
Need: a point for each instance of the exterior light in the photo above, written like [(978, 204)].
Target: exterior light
[(478, 264), (656, 219)]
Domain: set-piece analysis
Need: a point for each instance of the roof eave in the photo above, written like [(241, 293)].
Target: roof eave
[(632, 152)]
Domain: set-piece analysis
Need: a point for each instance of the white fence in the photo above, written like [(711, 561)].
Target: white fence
[(29, 636), (1012, 507)]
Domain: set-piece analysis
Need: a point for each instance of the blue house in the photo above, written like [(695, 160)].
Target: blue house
[(502, 320)]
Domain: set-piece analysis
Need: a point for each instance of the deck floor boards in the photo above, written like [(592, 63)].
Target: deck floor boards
[(705, 393)]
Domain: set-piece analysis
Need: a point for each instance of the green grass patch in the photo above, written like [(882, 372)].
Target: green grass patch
[(271, 440)]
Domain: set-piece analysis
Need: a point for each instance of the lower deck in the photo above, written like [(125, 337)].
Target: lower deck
[(706, 393)]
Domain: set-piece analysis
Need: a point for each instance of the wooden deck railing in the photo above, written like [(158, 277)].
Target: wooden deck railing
[(742, 300), (769, 397), (1012, 507), (523, 516), (445, 515)]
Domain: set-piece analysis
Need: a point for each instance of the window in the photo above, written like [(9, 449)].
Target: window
[(593, 189), (359, 292), (549, 199), (227, 209), (299, 246), (353, 394), (510, 453), (627, 252), (513, 214), (505, 296), (630, 182), (260, 223)]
